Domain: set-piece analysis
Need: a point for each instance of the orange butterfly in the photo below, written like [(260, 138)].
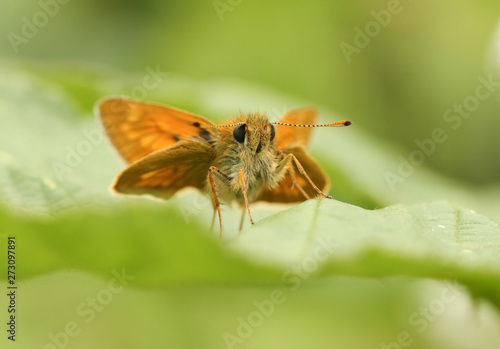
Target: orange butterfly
[(246, 159)]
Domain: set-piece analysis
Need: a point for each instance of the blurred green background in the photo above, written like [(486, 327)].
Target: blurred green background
[(426, 58), (397, 84)]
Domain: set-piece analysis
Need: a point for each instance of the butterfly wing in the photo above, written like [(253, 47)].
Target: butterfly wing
[(285, 192), (166, 171), (287, 135), (293, 140), (137, 129)]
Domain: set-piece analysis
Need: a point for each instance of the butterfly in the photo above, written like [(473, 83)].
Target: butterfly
[(243, 160)]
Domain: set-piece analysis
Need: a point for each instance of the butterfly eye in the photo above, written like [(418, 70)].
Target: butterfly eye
[(273, 132), (239, 133)]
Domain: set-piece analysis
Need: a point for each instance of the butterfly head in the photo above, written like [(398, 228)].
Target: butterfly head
[(255, 133)]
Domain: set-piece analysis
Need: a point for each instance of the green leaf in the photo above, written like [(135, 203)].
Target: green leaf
[(338, 269), (434, 240), (431, 241)]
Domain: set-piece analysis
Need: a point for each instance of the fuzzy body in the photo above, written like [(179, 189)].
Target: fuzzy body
[(256, 157)]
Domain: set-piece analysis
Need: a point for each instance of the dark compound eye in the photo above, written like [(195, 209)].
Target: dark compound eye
[(239, 133), (273, 132)]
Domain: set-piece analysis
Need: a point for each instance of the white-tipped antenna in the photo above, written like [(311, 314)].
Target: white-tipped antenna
[(333, 124)]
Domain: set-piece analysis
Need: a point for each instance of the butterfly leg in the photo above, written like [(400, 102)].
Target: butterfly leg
[(244, 190), (242, 218), (215, 197), (302, 191), (291, 173), (213, 218), (284, 165)]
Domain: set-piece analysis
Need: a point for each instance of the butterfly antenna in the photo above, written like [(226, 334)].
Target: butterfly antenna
[(333, 124), (230, 125)]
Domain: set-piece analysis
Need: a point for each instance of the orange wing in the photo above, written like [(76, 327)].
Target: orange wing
[(288, 135), (166, 171), (293, 140), (137, 129)]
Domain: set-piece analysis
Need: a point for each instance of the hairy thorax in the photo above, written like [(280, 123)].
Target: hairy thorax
[(259, 172)]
